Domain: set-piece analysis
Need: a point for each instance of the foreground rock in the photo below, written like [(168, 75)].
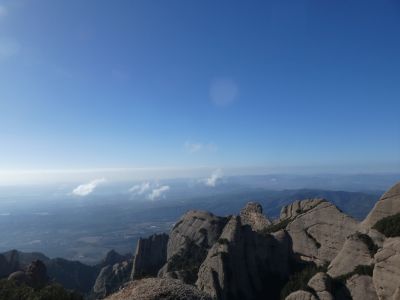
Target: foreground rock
[(386, 276), (301, 295), (361, 287), (388, 204), (34, 276), (150, 256), (359, 249), (188, 244), (319, 231), (159, 288), (244, 264)]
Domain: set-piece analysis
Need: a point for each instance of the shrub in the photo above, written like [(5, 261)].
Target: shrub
[(276, 227), (299, 280), (389, 226)]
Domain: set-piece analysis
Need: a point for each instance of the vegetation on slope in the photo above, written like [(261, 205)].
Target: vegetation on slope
[(389, 226), (10, 290)]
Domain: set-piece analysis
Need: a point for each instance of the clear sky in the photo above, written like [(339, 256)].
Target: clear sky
[(126, 84)]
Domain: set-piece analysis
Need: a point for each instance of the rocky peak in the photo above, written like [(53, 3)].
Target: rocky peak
[(150, 255), (252, 215), (298, 207), (388, 204), (35, 275)]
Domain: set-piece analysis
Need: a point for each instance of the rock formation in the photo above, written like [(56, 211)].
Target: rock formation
[(321, 284), (150, 255), (252, 215), (111, 278), (358, 249), (159, 288), (244, 264), (301, 295), (318, 230), (298, 207), (388, 204), (386, 276), (361, 287), (188, 244)]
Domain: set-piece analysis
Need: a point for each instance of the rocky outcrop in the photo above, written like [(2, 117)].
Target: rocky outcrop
[(242, 261), (111, 278), (319, 232), (301, 295), (35, 275), (388, 204), (298, 207), (150, 255), (321, 284), (386, 276), (361, 287), (358, 249), (159, 288), (112, 257), (188, 244), (252, 215)]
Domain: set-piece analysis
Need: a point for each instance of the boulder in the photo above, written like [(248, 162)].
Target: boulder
[(301, 295), (159, 288), (241, 262), (358, 249), (319, 232), (150, 255), (361, 287), (386, 276), (388, 204), (252, 215), (321, 283)]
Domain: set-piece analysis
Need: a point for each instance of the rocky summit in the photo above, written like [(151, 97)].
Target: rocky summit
[(313, 251)]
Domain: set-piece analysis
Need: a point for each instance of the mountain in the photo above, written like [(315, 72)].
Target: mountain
[(312, 251)]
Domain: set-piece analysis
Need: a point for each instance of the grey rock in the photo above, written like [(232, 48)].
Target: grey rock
[(386, 276), (35, 275), (361, 287), (189, 241), (355, 251), (320, 282), (150, 255), (388, 204), (318, 234), (111, 278), (252, 215), (242, 261), (301, 295), (157, 289), (298, 207)]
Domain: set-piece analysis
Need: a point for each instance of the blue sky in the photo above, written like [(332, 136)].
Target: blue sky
[(183, 84)]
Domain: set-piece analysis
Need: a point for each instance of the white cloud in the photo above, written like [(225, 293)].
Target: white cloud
[(197, 147), (87, 188), (158, 192), (223, 91), (214, 178), (140, 189), (3, 11)]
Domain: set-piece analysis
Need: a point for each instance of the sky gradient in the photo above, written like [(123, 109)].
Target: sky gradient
[(184, 84)]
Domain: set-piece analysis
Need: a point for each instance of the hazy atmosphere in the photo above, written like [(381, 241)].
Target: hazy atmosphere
[(228, 149)]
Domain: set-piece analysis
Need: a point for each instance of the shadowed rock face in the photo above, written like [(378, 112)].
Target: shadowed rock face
[(111, 278), (361, 287), (159, 288), (244, 264), (318, 233), (150, 255), (189, 242), (35, 275), (388, 204)]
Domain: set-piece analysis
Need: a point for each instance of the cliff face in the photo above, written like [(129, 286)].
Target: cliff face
[(150, 255)]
